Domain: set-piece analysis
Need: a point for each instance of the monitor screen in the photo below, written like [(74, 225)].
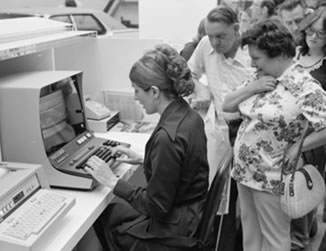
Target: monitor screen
[(61, 114)]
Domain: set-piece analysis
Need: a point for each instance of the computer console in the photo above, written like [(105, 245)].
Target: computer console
[(42, 120)]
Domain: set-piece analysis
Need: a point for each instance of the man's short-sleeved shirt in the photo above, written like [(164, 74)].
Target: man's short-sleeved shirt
[(223, 74)]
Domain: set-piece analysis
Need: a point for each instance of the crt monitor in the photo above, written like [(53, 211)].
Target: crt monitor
[(42, 120), (60, 119)]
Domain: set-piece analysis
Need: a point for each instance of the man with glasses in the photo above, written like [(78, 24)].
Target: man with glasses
[(225, 66)]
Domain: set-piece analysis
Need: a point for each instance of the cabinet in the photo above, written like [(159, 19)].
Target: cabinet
[(27, 44)]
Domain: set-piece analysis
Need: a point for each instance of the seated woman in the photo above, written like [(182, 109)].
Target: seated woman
[(175, 163), (276, 103)]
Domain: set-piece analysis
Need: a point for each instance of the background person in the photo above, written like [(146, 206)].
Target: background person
[(291, 13), (262, 10), (312, 56), (314, 4), (244, 20), (275, 104), (189, 48), (225, 65), (175, 163)]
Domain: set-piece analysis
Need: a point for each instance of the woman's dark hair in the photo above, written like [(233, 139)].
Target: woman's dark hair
[(270, 6), (164, 68), (307, 22), (271, 37)]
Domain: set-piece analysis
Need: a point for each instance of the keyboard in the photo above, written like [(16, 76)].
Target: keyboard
[(34, 216), (104, 152)]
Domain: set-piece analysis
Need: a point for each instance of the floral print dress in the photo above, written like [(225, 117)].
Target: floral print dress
[(273, 121)]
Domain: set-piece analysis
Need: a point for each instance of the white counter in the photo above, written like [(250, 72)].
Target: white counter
[(89, 204)]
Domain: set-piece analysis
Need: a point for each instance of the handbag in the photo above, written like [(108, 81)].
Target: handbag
[(303, 189)]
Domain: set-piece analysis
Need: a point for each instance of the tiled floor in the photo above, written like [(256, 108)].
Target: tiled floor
[(315, 243)]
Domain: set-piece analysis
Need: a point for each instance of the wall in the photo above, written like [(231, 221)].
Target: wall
[(105, 62), (172, 20)]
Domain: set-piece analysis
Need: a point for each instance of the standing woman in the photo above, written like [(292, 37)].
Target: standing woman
[(275, 104), (175, 163), (312, 56), (312, 53)]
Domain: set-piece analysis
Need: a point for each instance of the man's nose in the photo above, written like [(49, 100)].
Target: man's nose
[(294, 27), (215, 41)]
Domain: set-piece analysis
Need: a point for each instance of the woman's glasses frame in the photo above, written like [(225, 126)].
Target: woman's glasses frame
[(319, 33)]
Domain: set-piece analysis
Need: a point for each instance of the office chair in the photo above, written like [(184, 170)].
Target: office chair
[(207, 235), (209, 228)]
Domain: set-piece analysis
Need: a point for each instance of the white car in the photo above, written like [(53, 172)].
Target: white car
[(80, 18)]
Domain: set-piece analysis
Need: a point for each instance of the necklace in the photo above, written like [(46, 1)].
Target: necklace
[(314, 65)]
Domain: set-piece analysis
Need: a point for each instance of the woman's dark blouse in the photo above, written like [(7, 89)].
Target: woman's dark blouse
[(317, 156), (320, 74), (176, 170)]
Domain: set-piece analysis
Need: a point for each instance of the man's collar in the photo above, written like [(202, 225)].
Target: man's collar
[(212, 50), (236, 55)]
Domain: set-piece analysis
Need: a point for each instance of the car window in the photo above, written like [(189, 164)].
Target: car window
[(62, 18), (12, 15), (89, 22)]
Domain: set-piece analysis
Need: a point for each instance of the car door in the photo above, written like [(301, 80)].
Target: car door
[(89, 22), (83, 21), (63, 18)]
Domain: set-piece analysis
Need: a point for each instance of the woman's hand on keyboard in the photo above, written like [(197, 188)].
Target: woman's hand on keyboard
[(132, 156), (101, 171)]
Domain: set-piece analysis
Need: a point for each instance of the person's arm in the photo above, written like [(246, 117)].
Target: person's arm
[(314, 140), (312, 102), (128, 156), (101, 170), (201, 97), (158, 197), (233, 99)]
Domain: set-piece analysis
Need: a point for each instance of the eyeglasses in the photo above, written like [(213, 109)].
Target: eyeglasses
[(319, 33)]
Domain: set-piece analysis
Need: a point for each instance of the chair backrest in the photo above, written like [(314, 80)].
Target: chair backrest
[(206, 229), (205, 235)]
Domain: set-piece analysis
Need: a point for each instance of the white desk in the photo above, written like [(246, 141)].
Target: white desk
[(89, 204)]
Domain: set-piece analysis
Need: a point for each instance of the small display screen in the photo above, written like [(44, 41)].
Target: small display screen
[(18, 197)]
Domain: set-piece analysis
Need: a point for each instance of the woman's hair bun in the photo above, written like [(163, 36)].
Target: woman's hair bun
[(177, 70)]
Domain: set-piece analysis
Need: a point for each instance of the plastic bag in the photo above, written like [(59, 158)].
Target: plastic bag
[(218, 143)]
